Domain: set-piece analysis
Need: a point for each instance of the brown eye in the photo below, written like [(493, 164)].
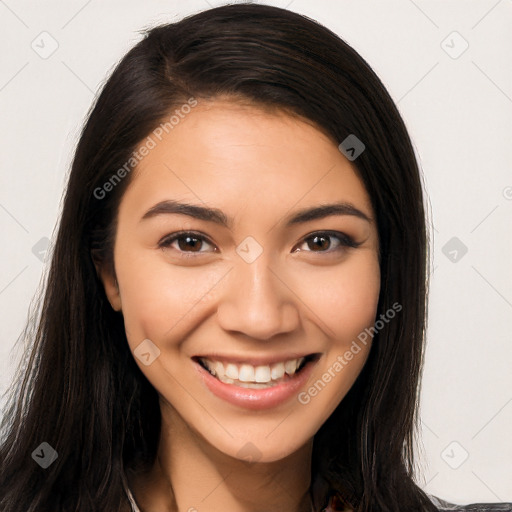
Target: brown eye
[(319, 241), (322, 242), (187, 242)]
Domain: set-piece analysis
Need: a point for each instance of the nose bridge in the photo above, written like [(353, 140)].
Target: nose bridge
[(256, 302)]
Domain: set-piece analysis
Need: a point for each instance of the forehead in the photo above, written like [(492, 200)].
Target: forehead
[(230, 153), (214, 126)]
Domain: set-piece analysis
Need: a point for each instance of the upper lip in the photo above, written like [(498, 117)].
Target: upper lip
[(255, 360)]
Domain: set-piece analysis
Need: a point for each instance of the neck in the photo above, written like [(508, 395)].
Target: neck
[(191, 475)]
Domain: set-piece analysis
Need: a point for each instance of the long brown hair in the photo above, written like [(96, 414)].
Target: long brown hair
[(81, 391)]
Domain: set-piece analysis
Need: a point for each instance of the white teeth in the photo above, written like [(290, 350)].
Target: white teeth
[(290, 367), (218, 368), (232, 371), (253, 385), (249, 376), (246, 373), (262, 374), (226, 379), (209, 365), (277, 371)]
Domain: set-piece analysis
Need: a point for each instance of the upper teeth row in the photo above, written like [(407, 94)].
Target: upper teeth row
[(249, 373)]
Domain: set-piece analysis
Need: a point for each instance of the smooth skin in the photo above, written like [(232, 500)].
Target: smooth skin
[(191, 298)]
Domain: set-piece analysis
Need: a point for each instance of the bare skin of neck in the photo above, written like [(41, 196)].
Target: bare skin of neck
[(190, 475)]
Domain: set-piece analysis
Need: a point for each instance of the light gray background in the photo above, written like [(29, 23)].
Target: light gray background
[(458, 109)]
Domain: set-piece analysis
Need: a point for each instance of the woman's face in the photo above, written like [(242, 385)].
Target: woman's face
[(270, 301)]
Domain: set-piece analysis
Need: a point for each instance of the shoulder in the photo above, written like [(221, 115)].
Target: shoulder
[(444, 506)]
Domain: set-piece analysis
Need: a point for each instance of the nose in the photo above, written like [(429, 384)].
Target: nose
[(257, 301)]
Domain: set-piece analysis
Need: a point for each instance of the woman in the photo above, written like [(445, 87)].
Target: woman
[(234, 317)]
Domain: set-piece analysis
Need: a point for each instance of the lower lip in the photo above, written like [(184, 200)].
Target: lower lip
[(256, 399)]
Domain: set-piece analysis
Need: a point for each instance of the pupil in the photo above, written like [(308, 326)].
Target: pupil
[(190, 241), (326, 243)]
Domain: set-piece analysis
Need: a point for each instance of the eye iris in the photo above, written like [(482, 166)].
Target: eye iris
[(192, 241), (326, 241)]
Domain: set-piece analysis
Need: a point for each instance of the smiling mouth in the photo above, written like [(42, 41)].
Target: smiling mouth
[(255, 377)]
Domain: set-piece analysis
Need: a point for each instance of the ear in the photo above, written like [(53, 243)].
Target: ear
[(109, 280)]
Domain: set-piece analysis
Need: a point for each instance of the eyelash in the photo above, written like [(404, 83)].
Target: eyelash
[(345, 241)]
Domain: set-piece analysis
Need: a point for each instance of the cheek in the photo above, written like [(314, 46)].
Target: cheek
[(347, 306), (159, 299), (344, 298)]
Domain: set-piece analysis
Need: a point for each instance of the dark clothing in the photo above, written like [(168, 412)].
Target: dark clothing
[(474, 507)]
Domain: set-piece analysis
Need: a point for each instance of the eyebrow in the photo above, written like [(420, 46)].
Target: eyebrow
[(219, 217)]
